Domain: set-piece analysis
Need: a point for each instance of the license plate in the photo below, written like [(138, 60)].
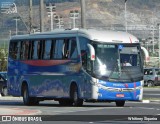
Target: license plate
[(120, 95)]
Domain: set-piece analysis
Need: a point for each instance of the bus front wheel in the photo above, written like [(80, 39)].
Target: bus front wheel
[(74, 96), (120, 103)]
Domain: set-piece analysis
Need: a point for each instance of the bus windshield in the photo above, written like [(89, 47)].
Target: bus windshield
[(117, 62)]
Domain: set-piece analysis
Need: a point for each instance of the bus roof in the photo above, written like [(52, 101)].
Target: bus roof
[(92, 34)]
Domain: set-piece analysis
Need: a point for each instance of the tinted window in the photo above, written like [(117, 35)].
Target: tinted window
[(36, 49), (148, 72), (58, 49), (14, 50), (24, 50), (47, 49), (73, 49), (157, 71)]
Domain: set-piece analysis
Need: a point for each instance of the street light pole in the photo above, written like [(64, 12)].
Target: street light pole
[(74, 15), (51, 8), (153, 27), (16, 19)]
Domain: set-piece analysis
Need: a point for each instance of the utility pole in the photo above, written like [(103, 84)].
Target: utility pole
[(153, 28), (125, 14), (159, 43), (30, 16), (83, 11), (41, 15)]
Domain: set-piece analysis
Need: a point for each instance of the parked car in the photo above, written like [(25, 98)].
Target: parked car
[(3, 83), (151, 76)]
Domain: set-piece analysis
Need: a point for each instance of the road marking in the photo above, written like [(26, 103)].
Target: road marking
[(82, 109), (145, 108), (152, 94), (145, 101)]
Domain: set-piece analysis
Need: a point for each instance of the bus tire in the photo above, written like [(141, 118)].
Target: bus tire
[(120, 103), (27, 100), (74, 96), (4, 91), (150, 84)]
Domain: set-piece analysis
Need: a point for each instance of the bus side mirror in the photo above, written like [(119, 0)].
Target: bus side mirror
[(91, 52)]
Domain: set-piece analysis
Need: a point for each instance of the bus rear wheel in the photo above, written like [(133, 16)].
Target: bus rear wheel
[(4, 91), (75, 98), (120, 103), (27, 100)]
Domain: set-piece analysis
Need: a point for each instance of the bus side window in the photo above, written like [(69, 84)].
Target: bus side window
[(35, 49), (13, 50), (47, 49), (52, 51), (31, 49), (65, 49), (59, 49), (24, 50), (83, 46), (84, 58), (73, 49)]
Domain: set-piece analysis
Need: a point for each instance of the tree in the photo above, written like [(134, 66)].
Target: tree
[(3, 59)]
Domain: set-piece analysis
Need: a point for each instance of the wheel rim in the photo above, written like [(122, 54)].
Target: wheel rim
[(25, 96), (75, 97), (150, 84), (5, 91)]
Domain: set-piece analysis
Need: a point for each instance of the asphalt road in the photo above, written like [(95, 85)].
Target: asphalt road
[(153, 93), (90, 113)]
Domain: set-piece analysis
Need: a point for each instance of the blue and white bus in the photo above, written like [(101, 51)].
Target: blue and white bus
[(73, 66)]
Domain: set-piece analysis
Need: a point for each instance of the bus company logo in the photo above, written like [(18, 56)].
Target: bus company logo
[(120, 90), (6, 118)]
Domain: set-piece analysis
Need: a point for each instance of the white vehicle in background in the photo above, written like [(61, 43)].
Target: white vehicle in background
[(151, 76)]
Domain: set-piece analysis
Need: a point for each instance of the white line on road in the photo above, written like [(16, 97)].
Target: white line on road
[(145, 108), (152, 94)]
